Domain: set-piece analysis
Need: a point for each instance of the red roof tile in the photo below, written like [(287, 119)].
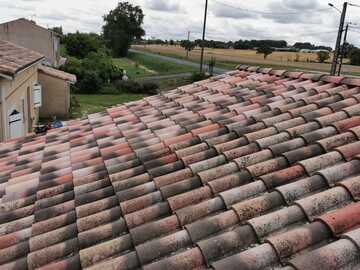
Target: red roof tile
[(14, 58), (252, 169), (58, 74)]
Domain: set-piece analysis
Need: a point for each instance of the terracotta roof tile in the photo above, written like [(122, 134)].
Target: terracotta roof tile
[(14, 58), (58, 73), (181, 181)]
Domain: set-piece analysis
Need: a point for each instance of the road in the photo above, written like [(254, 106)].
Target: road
[(179, 61)]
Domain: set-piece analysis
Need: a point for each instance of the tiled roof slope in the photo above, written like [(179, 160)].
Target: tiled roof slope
[(255, 169), (58, 73), (14, 58)]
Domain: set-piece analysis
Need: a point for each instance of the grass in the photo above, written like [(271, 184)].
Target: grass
[(158, 65), (97, 103), (133, 70)]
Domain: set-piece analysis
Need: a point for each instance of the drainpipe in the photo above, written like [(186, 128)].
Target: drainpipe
[(3, 115)]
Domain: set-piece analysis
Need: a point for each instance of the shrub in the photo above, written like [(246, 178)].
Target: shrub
[(150, 88), (355, 57), (135, 87), (323, 56), (74, 106), (197, 76), (80, 45), (101, 63), (109, 89), (93, 72), (90, 83)]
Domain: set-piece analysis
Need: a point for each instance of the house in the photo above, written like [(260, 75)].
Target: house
[(56, 92), (20, 93), (28, 34), (255, 169), (55, 83)]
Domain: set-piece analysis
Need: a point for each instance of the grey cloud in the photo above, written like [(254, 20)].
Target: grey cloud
[(57, 16), (163, 5), (160, 28), (16, 7), (227, 11), (251, 32), (294, 12), (301, 5)]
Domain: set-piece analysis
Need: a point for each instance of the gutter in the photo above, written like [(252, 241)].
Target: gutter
[(7, 77), (29, 66)]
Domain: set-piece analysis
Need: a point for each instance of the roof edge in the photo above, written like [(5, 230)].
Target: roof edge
[(325, 77)]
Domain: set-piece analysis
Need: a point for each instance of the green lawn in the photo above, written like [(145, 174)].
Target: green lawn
[(158, 65), (97, 103), (133, 70)]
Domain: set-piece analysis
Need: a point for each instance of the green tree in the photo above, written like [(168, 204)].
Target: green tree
[(188, 46), (93, 72), (355, 57), (323, 56), (266, 50), (81, 44), (122, 26), (57, 30)]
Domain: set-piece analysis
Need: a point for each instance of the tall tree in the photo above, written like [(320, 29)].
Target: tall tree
[(122, 26)]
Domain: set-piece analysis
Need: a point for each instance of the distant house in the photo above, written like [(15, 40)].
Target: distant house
[(20, 92), (55, 83), (28, 34)]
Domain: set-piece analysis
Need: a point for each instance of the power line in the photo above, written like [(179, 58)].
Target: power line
[(268, 12), (354, 5)]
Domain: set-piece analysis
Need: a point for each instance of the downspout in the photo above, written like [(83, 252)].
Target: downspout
[(3, 115)]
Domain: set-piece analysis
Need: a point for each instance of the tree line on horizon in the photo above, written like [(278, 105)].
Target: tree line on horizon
[(240, 44)]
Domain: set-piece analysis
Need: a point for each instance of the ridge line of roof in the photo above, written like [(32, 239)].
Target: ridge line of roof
[(353, 80)]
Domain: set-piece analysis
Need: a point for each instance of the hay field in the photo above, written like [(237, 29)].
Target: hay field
[(306, 61)]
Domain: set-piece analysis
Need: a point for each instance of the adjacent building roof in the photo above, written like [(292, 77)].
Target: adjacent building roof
[(254, 169), (14, 58), (57, 73)]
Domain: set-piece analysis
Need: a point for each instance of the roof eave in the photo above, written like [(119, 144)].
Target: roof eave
[(24, 68), (7, 77)]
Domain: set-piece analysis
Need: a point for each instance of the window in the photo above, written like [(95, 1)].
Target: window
[(37, 95)]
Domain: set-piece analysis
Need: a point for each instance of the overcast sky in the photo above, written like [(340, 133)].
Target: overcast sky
[(292, 20)]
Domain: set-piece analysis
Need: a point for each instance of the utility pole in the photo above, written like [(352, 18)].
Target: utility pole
[(203, 38), (343, 49), (338, 40), (187, 52)]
